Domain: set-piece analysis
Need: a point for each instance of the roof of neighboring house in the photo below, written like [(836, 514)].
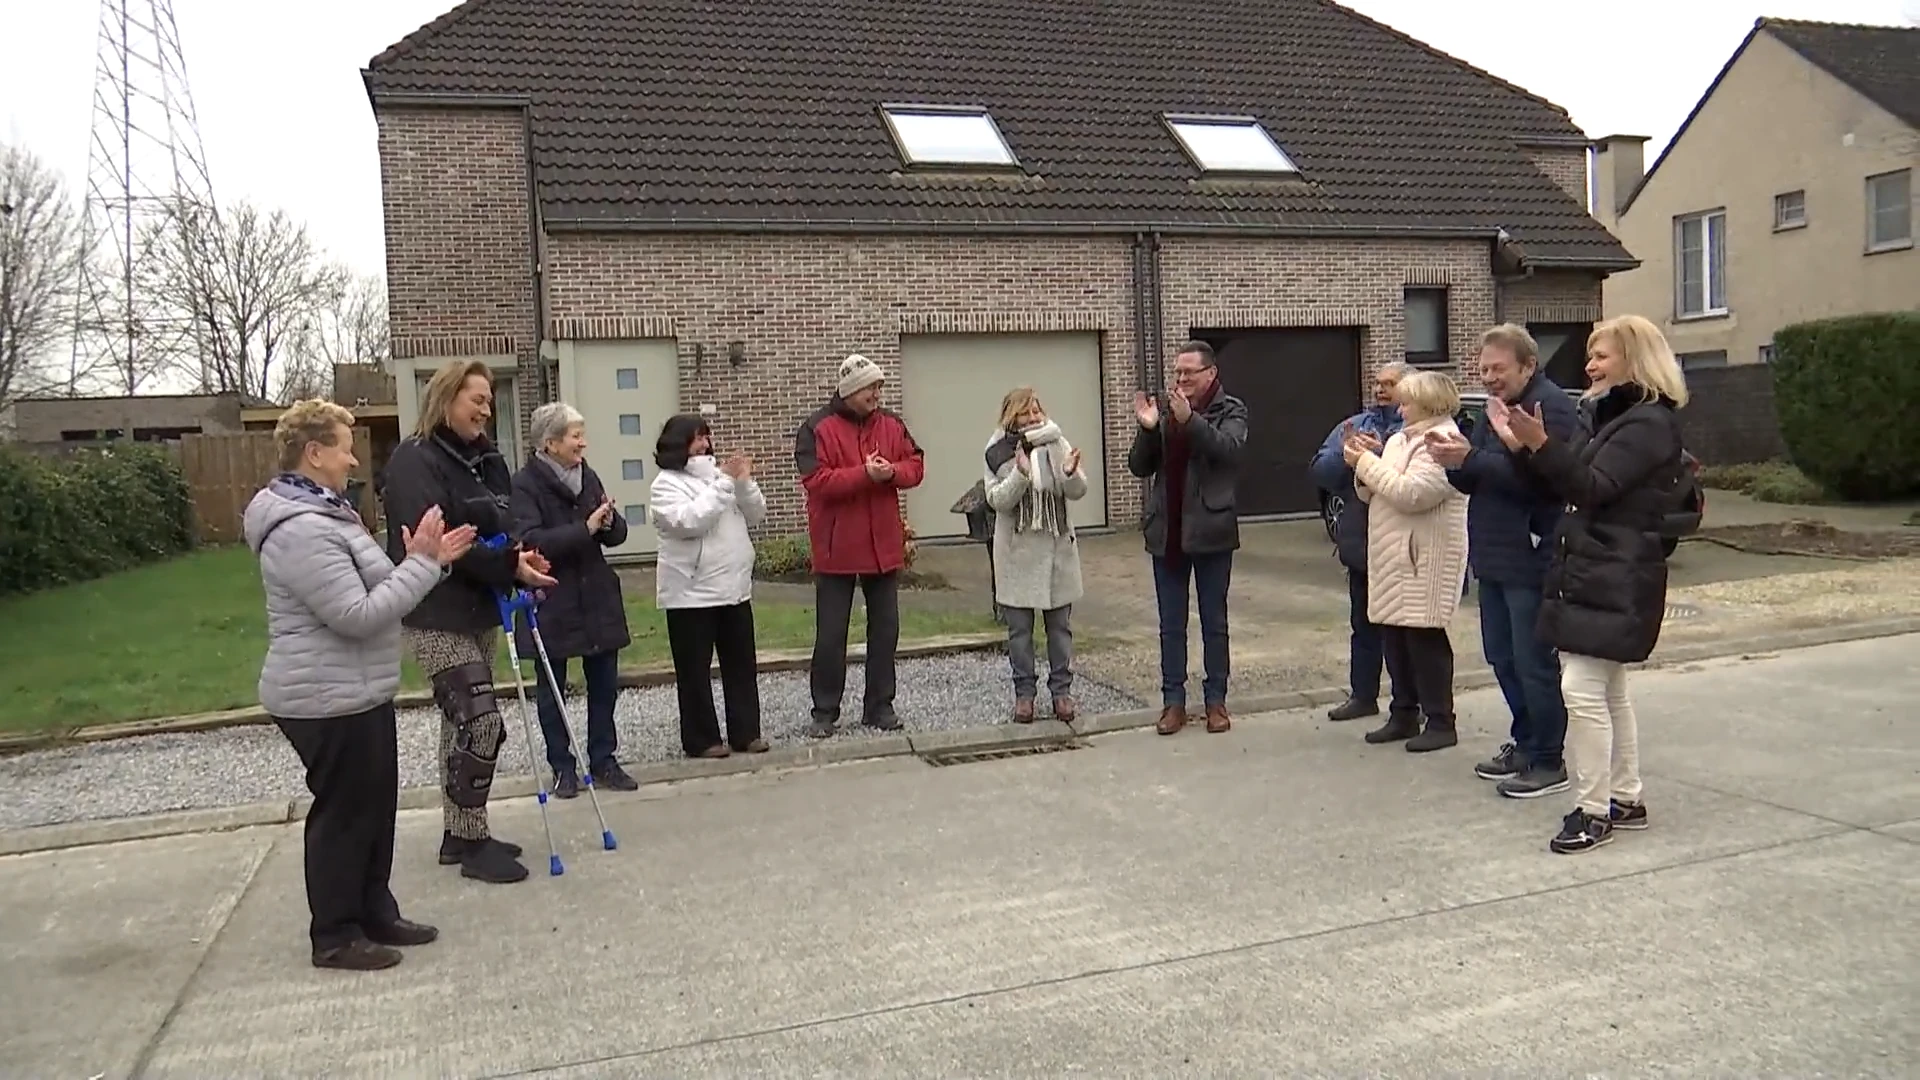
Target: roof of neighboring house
[(732, 113), (1881, 63)]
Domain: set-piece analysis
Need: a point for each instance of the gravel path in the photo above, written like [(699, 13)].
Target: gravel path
[(127, 777)]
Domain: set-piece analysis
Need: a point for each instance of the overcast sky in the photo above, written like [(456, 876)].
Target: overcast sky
[(285, 121)]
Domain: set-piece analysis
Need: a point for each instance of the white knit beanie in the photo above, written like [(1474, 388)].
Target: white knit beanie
[(856, 374)]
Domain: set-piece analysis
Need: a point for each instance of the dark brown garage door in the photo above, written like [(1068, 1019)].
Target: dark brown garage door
[(1297, 385)]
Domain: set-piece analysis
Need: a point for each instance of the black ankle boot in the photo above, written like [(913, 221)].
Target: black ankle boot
[(453, 849), (1439, 735), (1399, 725), (1354, 708), (490, 863), (361, 955)]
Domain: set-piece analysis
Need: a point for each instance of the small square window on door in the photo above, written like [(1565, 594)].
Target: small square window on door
[(1426, 317)]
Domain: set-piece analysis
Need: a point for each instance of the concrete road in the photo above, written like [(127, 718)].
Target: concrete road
[(1281, 900)]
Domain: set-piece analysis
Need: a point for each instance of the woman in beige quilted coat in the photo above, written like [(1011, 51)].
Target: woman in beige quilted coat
[(1416, 560)]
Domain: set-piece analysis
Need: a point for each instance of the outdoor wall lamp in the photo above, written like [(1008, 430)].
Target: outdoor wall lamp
[(736, 353)]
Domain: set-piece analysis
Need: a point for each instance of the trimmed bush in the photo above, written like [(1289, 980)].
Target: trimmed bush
[(1768, 481), (88, 514), (779, 557), (1847, 391)]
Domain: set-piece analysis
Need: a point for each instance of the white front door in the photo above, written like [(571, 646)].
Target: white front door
[(626, 390)]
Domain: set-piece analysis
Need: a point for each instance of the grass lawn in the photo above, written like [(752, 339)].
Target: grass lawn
[(188, 636)]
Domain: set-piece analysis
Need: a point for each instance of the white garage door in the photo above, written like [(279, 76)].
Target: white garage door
[(953, 384), (626, 390)]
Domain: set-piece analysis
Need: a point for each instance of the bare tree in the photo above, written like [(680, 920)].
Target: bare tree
[(351, 328), (251, 288), (40, 257)]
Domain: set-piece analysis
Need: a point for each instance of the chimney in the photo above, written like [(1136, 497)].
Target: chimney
[(1618, 164)]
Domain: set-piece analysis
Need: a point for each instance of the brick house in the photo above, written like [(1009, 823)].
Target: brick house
[(651, 208)]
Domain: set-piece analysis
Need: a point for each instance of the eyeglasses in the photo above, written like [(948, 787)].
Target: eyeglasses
[(1187, 372)]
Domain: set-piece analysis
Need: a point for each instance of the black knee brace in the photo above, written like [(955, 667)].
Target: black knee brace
[(465, 694)]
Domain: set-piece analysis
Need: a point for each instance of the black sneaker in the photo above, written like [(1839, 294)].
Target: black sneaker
[(884, 720), (1399, 727), (822, 729), (491, 863), (566, 784), (1438, 735), (1354, 708), (1579, 832), (359, 955), (609, 774), (1534, 782), (453, 849), (1504, 763), (1627, 815)]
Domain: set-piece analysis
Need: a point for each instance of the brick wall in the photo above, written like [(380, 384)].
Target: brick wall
[(1565, 166), (1729, 418), (801, 303), (1552, 296), (459, 262)]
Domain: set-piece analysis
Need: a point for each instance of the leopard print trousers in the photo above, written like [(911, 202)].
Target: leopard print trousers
[(436, 651)]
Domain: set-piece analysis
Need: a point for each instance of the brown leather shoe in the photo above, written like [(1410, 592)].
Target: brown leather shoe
[(1064, 710), (1172, 719), (1218, 720), (717, 750), (757, 746), (1023, 711)]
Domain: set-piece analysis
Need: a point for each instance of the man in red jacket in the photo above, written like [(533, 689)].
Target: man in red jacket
[(854, 459)]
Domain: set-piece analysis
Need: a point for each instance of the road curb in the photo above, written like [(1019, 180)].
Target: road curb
[(868, 748), (771, 662)]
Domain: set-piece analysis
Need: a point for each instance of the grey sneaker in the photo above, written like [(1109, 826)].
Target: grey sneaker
[(1503, 764), (1534, 783)]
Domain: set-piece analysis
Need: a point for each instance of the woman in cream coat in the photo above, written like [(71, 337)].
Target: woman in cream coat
[(1032, 474), (1416, 559), (702, 510)]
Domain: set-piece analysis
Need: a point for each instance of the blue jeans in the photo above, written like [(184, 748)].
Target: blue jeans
[(602, 673), (1365, 653), (1527, 668), (1210, 575)]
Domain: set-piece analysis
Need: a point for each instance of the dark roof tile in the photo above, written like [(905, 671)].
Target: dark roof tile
[(689, 111), (1881, 62)]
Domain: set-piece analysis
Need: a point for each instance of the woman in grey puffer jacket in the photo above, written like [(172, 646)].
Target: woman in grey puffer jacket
[(334, 603)]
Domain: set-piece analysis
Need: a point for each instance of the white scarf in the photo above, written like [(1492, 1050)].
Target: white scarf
[(1044, 508)]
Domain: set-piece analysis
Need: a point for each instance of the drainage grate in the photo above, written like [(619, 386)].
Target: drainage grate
[(1682, 611), (940, 758)]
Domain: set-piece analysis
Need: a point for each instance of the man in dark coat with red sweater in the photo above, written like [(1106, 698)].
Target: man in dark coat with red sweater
[(1189, 448), (854, 460)]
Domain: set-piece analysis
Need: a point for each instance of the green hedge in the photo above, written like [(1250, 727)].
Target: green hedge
[(89, 513), (1846, 391)]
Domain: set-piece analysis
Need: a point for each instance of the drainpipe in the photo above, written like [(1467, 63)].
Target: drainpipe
[(1141, 349), (1159, 329), (537, 259)]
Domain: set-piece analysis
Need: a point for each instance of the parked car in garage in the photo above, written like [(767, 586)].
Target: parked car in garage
[(1690, 497)]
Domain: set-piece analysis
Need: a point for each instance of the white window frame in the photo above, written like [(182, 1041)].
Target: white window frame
[(407, 377), (1189, 129), (1713, 226), (901, 120), (1782, 222), (1874, 211)]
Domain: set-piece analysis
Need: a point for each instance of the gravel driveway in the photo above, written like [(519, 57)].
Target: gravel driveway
[(150, 774)]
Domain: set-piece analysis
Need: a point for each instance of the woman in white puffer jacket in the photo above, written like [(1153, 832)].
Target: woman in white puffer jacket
[(703, 510)]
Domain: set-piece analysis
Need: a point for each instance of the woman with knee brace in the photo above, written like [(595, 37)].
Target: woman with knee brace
[(450, 462)]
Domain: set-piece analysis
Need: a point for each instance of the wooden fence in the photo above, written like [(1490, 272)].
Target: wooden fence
[(223, 472)]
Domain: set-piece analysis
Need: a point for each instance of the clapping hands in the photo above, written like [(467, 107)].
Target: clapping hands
[(1357, 444), (1517, 427), (432, 538), (602, 515), (879, 469), (1449, 448), (739, 467)]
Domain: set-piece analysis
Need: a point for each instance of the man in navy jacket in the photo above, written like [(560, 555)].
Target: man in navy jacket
[(1510, 523), (1331, 472)]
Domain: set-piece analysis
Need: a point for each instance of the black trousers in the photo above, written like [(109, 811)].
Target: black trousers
[(353, 770), (695, 636), (832, 608), (1420, 665)]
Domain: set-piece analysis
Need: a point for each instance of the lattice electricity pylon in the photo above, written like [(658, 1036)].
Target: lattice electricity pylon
[(145, 165)]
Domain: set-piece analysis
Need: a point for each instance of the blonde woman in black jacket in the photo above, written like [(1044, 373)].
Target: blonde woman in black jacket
[(1606, 589)]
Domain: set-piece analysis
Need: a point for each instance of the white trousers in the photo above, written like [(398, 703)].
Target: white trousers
[(1603, 738)]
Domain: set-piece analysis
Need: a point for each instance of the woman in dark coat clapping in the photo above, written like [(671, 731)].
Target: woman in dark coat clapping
[(561, 508), (1606, 589)]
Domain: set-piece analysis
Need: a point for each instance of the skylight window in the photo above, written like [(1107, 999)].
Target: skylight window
[(930, 135), (1230, 144)]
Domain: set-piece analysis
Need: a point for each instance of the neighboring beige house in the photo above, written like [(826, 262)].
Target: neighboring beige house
[(142, 418), (1787, 194)]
